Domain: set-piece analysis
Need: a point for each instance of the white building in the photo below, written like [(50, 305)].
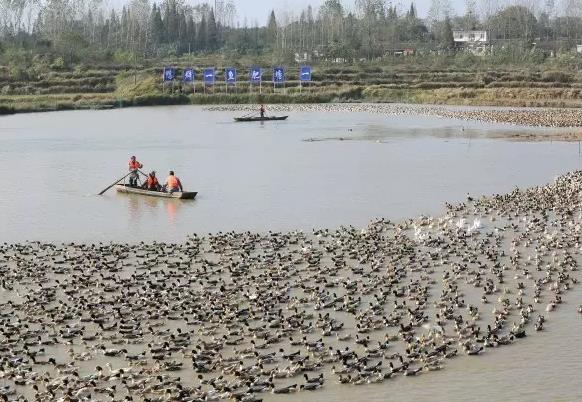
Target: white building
[(302, 57), (579, 48), (476, 42), (462, 36)]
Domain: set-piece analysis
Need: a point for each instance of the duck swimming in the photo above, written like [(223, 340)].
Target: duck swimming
[(399, 297)]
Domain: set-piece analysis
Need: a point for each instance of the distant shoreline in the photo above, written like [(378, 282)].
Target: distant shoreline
[(118, 87), (566, 121)]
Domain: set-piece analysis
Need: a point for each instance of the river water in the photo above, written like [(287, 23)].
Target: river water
[(546, 367), (249, 176), (268, 177)]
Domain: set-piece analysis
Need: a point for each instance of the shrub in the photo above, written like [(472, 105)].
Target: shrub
[(466, 59), (160, 99), (58, 64), (6, 110), (124, 57), (556, 76)]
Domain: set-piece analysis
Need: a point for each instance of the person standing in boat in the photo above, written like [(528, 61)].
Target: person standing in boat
[(262, 110), (134, 166), (173, 184), (152, 183)]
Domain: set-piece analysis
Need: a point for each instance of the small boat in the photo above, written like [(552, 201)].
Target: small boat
[(268, 118), (182, 195)]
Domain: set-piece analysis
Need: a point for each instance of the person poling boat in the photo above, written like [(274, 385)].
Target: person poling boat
[(134, 167), (172, 188), (173, 184), (261, 117)]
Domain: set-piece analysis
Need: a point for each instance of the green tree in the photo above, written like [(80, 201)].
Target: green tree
[(411, 14), (447, 40), (332, 16), (514, 22), (124, 27), (212, 29), (156, 26), (170, 21), (272, 29), (191, 33), (352, 39), (202, 34)]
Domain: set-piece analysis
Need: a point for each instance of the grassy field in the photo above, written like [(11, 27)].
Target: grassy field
[(124, 86)]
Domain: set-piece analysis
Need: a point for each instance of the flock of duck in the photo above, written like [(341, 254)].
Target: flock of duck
[(240, 316), (533, 117)]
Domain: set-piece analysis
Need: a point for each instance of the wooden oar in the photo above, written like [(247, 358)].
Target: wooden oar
[(103, 192)]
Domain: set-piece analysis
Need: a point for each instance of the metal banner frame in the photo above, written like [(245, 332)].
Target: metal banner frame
[(209, 72), (230, 77), (305, 75), (254, 80), (169, 74), (189, 75), (278, 77)]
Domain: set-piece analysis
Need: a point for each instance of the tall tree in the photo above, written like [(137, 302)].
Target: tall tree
[(212, 29), (332, 16), (470, 20), (447, 40), (514, 22), (411, 12), (191, 33), (202, 34), (272, 28), (156, 25)]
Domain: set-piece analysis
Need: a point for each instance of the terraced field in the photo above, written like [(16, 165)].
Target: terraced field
[(116, 86)]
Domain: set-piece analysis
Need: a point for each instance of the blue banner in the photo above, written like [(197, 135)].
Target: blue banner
[(230, 76), (305, 73), (189, 75), (209, 76), (169, 73), (278, 75), (256, 75)]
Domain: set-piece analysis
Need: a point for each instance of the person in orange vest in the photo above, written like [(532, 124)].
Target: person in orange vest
[(173, 184), (152, 183), (134, 165)]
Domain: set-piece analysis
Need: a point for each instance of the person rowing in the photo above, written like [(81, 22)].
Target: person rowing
[(173, 184), (134, 167), (152, 183)]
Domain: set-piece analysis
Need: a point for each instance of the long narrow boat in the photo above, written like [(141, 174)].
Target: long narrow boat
[(269, 118), (185, 195)]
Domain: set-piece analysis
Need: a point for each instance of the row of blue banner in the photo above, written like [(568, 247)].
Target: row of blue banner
[(230, 75)]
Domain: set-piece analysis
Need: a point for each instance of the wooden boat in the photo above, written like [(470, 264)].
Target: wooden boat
[(185, 195), (268, 118)]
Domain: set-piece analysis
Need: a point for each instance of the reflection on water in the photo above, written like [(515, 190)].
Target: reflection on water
[(250, 176), (172, 210), (133, 207), (151, 202), (149, 208)]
